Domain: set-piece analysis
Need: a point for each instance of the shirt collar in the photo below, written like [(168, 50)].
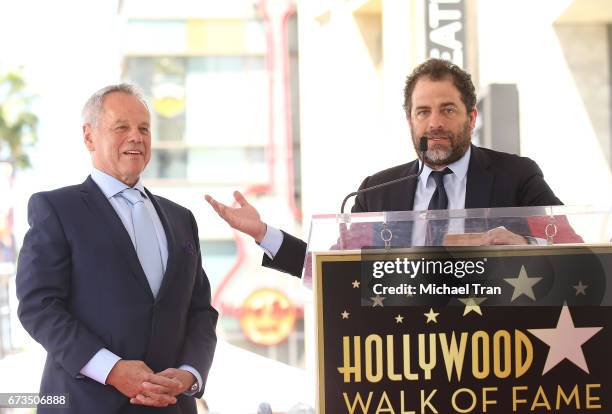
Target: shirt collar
[(459, 167), (111, 186)]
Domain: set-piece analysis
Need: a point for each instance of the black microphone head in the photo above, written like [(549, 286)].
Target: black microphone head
[(423, 144)]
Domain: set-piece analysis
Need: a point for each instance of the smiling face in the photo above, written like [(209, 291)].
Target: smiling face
[(120, 140), (439, 113)]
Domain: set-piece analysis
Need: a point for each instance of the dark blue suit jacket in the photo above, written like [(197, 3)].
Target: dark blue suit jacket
[(81, 288)]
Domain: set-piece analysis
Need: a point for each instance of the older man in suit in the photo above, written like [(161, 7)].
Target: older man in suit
[(110, 279), (440, 104)]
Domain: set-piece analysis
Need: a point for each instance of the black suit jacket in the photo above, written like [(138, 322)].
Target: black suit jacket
[(494, 179), (81, 288)]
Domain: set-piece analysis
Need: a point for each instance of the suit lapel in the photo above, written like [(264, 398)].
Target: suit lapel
[(171, 240), (101, 207), (479, 187), (406, 202)]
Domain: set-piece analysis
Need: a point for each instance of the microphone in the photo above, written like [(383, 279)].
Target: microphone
[(422, 150)]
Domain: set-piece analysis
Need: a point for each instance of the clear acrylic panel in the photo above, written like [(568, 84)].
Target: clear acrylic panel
[(413, 229)]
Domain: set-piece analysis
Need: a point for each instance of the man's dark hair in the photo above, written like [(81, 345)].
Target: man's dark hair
[(437, 70)]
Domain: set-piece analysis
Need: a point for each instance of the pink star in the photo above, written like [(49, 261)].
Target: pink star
[(565, 341)]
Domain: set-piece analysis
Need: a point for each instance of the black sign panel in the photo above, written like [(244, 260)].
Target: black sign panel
[(468, 358)]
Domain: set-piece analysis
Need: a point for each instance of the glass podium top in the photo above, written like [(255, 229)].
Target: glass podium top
[(469, 227)]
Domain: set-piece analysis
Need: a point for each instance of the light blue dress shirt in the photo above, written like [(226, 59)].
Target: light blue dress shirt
[(454, 184), (100, 365), (272, 241)]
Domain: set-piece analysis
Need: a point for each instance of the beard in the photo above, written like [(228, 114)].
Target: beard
[(439, 154)]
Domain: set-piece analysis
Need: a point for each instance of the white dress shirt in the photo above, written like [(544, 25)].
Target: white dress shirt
[(454, 184)]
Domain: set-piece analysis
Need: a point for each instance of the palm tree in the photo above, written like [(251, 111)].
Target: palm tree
[(17, 123), (17, 133)]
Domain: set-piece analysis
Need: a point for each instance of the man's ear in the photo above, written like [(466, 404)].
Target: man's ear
[(87, 137), (473, 116)]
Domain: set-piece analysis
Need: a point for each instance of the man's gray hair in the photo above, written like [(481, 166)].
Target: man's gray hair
[(93, 107)]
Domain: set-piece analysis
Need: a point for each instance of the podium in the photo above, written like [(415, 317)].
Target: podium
[(413, 315)]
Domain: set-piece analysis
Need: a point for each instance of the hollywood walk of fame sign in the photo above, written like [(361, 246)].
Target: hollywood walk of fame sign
[(538, 345)]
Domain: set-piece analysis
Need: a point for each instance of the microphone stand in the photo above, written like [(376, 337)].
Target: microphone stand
[(422, 149), (342, 224)]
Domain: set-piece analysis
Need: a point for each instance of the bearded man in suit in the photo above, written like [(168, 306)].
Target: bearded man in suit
[(440, 104)]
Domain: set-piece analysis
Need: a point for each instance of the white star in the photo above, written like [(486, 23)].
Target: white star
[(472, 305), (355, 284), (431, 316), (377, 300), (580, 288), (565, 341), (523, 285), (399, 319), (345, 314)]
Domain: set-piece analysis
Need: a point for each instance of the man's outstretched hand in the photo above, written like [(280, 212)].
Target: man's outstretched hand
[(245, 218)]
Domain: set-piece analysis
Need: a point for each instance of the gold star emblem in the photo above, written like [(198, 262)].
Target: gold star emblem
[(472, 305), (399, 319), (580, 288), (345, 314), (377, 300), (431, 316), (523, 285), (355, 284)]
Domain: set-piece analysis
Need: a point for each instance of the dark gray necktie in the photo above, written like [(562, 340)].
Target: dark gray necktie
[(439, 199)]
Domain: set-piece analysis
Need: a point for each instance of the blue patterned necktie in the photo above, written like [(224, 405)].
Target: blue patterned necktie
[(145, 238)]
